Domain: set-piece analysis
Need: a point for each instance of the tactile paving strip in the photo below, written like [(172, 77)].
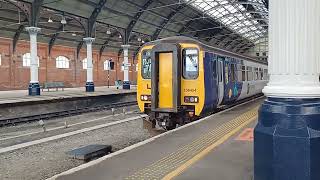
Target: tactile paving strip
[(164, 166)]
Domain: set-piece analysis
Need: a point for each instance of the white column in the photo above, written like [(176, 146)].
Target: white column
[(33, 31), (89, 42), (294, 49), (125, 62)]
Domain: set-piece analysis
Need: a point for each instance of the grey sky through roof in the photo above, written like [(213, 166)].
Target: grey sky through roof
[(248, 18), (235, 25)]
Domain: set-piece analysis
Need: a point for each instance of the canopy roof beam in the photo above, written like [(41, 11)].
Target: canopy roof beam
[(134, 21), (93, 17), (35, 12), (166, 21)]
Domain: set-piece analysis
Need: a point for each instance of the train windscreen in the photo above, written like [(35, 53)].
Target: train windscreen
[(190, 63)]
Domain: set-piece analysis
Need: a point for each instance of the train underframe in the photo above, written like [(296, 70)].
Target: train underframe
[(170, 120)]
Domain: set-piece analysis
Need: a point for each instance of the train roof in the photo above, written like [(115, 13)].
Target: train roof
[(220, 51)]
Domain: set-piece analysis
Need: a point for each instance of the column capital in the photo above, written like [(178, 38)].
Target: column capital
[(33, 30), (88, 40), (125, 46)]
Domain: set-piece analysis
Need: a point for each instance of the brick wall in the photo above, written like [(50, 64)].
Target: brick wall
[(14, 76)]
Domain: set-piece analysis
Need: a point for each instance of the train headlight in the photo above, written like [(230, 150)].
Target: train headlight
[(145, 98), (191, 99)]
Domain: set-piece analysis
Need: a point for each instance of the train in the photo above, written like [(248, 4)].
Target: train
[(180, 79)]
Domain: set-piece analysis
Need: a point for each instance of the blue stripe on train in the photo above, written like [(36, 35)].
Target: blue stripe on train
[(232, 89), (210, 82)]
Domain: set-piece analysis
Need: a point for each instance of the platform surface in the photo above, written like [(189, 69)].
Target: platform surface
[(16, 96), (207, 149)]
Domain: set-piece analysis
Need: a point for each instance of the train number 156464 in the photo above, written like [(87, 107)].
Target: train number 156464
[(189, 90)]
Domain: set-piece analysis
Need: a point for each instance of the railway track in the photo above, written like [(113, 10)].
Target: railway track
[(146, 124), (46, 116), (120, 130), (67, 134)]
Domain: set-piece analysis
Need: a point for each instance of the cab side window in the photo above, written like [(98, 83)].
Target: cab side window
[(146, 64), (190, 63)]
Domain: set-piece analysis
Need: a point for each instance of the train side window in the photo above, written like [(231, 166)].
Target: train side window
[(190, 63), (220, 65), (261, 74), (249, 74), (146, 64), (214, 67), (243, 72), (239, 74), (220, 71), (233, 73), (256, 74), (265, 71), (226, 73)]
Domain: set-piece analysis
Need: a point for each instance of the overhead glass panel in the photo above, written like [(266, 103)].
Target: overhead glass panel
[(249, 19)]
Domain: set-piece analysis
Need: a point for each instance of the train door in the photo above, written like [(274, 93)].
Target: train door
[(220, 80), (165, 80)]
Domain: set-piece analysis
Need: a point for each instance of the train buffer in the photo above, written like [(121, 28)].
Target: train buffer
[(90, 152)]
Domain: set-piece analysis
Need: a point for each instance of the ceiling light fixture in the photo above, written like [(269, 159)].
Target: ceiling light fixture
[(50, 20), (108, 32), (120, 36), (63, 20), (74, 34), (139, 39)]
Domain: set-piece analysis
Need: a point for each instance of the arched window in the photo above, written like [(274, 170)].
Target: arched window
[(26, 60), (62, 62), (106, 65), (85, 63)]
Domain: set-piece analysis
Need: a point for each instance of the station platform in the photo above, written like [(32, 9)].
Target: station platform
[(218, 147), (16, 106), (16, 96)]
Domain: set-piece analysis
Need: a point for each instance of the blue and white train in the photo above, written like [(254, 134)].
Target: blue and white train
[(181, 79)]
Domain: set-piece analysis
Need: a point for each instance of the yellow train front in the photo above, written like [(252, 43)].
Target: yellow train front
[(169, 88)]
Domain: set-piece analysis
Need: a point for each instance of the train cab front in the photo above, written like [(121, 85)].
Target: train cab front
[(168, 88)]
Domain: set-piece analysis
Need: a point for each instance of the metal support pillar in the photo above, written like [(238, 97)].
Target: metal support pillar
[(287, 136), (126, 82), (34, 87), (89, 83)]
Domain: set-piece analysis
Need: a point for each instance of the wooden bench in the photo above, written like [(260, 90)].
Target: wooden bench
[(53, 85)]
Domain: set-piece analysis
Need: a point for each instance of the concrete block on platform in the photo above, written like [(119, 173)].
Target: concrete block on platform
[(90, 152)]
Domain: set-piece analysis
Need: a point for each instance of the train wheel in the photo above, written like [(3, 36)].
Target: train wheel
[(168, 128), (170, 124)]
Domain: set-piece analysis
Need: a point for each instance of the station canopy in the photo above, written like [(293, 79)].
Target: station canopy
[(235, 25)]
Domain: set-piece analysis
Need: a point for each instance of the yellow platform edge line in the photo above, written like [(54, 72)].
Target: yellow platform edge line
[(203, 153)]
